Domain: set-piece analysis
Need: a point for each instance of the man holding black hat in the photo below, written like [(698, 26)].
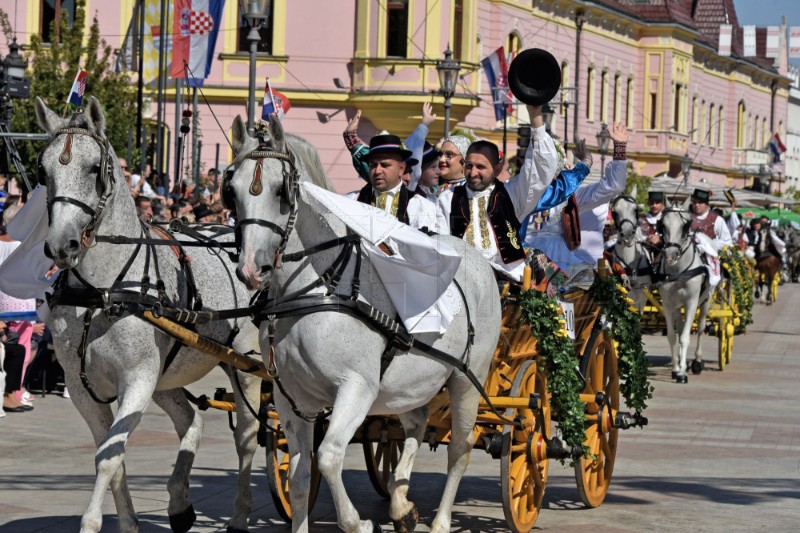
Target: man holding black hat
[(387, 159), (648, 224)]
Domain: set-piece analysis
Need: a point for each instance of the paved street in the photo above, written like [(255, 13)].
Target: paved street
[(720, 454)]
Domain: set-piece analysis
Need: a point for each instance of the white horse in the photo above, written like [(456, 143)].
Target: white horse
[(331, 358), (106, 356), (685, 286), (629, 251)]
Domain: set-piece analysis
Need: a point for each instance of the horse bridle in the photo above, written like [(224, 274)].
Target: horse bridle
[(106, 176), (615, 216), (287, 192), (682, 247)]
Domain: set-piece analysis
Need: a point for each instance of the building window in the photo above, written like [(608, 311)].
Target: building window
[(740, 126), (703, 123), (766, 136), (676, 119), (264, 45), (694, 127), (458, 28), (629, 104), (397, 28), (604, 96), (513, 46), (51, 14), (721, 128), (617, 99), (711, 126), (653, 110), (590, 94)]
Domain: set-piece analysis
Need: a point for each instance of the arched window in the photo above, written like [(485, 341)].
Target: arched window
[(712, 130), (721, 128), (629, 98), (740, 126), (590, 87), (617, 98), (604, 96), (695, 126)]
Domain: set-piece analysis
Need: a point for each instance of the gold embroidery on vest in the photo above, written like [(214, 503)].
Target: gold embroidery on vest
[(512, 235), (484, 223), (380, 203), (470, 235)]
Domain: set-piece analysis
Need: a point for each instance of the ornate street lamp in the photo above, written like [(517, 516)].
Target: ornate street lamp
[(602, 146), (448, 76), (254, 11), (14, 66), (686, 166)]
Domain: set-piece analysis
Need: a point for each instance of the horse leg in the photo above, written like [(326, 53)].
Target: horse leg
[(349, 411), (463, 411), (246, 443), (672, 336), (299, 434), (189, 426), (111, 450), (686, 335), (701, 327), (99, 418), (403, 512)]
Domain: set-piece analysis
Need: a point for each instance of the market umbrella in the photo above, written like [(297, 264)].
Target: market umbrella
[(784, 216)]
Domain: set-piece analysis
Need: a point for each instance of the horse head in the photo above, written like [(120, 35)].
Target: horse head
[(675, 225), (79, 168), (262, 187), (625, 211)]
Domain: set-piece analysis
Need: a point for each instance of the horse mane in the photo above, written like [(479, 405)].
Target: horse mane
[(309, 158)]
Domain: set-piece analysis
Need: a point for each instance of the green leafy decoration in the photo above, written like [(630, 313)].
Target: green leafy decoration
[(557, 354), (741, 279), (631, 358)]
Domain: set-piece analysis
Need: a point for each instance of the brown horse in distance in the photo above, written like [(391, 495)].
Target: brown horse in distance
[(768, 264)]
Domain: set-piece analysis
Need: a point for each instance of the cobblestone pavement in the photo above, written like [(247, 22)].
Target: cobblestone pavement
[(720, 454)]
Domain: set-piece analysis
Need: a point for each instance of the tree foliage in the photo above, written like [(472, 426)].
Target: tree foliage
[(52, 69), (642, 184)]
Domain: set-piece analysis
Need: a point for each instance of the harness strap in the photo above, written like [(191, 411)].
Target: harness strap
[(87, 322)]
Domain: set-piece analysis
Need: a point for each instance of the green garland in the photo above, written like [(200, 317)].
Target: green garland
[(558, 356), (631, 358), (742, 281)]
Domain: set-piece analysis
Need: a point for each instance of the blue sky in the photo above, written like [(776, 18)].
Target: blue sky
[(769, 13)]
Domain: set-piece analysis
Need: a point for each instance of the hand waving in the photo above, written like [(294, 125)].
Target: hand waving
[(619, 133), (428, 116), (581, 154), (353, 124)]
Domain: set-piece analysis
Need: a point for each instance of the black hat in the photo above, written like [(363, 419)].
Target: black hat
[(430, 153), (534, 76), (201, 211), (390, 144), (655, 196), (701, 195)]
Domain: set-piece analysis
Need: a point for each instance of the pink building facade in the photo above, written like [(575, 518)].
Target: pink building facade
[(653, 65)]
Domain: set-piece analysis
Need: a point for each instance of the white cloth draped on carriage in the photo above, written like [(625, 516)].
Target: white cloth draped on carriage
[(418, 277)]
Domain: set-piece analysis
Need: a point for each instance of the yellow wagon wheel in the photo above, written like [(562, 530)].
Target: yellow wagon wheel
[(278, 472), (593, 473), (381, 459), (523, 459)]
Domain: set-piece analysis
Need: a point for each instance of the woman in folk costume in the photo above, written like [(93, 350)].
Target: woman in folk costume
[(454, 154), (556, 231)]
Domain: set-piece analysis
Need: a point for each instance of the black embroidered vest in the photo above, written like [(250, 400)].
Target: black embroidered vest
[(367, 196), (502, 219)]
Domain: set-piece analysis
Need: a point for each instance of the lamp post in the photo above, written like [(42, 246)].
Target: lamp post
[(602, 146), (448, 75), (13, 84), (686, 166), (254, 11), (547, 116)]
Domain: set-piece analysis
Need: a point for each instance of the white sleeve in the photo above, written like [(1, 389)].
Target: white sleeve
[(733, 222), (422, 213), (723, 235), (605, 190), (538, 170), (443, 203)]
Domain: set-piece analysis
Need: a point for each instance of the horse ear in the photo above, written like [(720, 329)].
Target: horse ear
[(634, 191), (47, 119), (239, 134), (277, 135), (96, 116), (687, 204)]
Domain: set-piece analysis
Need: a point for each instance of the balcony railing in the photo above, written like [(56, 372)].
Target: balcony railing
[(749, 160)]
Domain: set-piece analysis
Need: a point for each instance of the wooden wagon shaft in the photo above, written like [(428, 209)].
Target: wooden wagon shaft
[(225, 354)]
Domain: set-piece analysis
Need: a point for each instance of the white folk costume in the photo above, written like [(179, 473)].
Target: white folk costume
[(489, 220), (711, 235), (545, 230), (592, 223), (406, 206)]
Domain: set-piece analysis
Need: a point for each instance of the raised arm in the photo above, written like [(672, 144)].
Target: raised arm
[(538, 170), (416, 142), (614, 177), (358, 149)]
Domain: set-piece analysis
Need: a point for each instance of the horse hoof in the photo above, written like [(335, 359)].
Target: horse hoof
[(183, 521), (235, 530), (682, 378), (408, 523), (674, 375), (698, 366)]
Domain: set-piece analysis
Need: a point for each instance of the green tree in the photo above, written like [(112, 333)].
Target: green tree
[(52, 69), (642, 184)]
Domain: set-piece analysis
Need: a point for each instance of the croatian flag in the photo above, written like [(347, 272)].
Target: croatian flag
[(78, 88), (195, 28), (496, 70), (777, 148), (274, 102)]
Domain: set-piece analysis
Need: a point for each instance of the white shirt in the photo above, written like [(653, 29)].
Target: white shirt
[(592, 224), (421, 211), (723, 236), (546, 233), (524, 189), (146, 189)]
